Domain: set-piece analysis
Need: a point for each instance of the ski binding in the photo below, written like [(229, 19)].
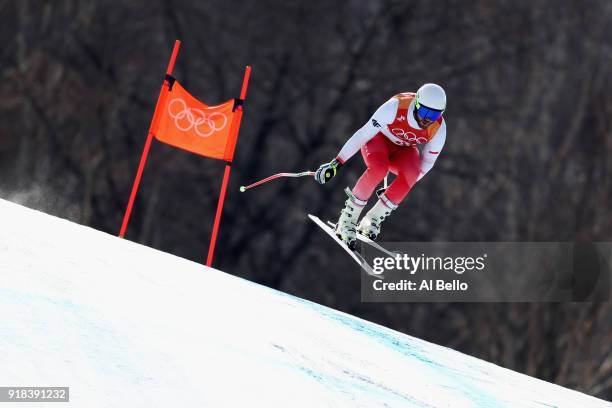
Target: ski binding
[(357, 257)]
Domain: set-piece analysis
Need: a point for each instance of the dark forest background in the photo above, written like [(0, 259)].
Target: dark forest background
[(526, 158)]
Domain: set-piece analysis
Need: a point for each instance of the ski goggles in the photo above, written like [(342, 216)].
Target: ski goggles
[(428, 113)]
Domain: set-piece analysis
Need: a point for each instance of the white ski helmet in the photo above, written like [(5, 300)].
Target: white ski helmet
[(431, 96)]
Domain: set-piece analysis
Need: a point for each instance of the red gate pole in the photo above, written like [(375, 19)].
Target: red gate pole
[(226, 173), (147, 146)]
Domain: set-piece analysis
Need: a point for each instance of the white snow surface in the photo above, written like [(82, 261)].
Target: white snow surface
[(124, 325)]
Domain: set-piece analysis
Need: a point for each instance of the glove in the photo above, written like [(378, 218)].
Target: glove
[(327, 171)]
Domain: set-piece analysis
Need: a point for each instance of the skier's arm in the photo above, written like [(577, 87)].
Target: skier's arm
[(432, 150), (382, 117)]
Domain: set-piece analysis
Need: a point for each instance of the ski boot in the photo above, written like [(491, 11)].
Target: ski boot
[(370, 224), (347, 223)]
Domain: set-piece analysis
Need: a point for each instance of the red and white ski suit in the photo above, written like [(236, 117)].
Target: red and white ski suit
[(388, 142)]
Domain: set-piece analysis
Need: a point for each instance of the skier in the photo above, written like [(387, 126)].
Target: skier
[(388, 142)]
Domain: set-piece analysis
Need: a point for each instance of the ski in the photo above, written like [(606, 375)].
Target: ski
[(376, 245), (354, 254), (368, 241)]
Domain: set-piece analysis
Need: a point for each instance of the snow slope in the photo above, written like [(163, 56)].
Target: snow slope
[(124, 325)]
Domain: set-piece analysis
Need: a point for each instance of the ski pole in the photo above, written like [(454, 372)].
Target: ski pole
[(274, 177)]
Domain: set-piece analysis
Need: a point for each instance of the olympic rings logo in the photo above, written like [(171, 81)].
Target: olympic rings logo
[(186, 119), (409, 136)]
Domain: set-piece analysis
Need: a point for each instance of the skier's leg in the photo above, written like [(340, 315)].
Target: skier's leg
[(405, 163), (376, 156)]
